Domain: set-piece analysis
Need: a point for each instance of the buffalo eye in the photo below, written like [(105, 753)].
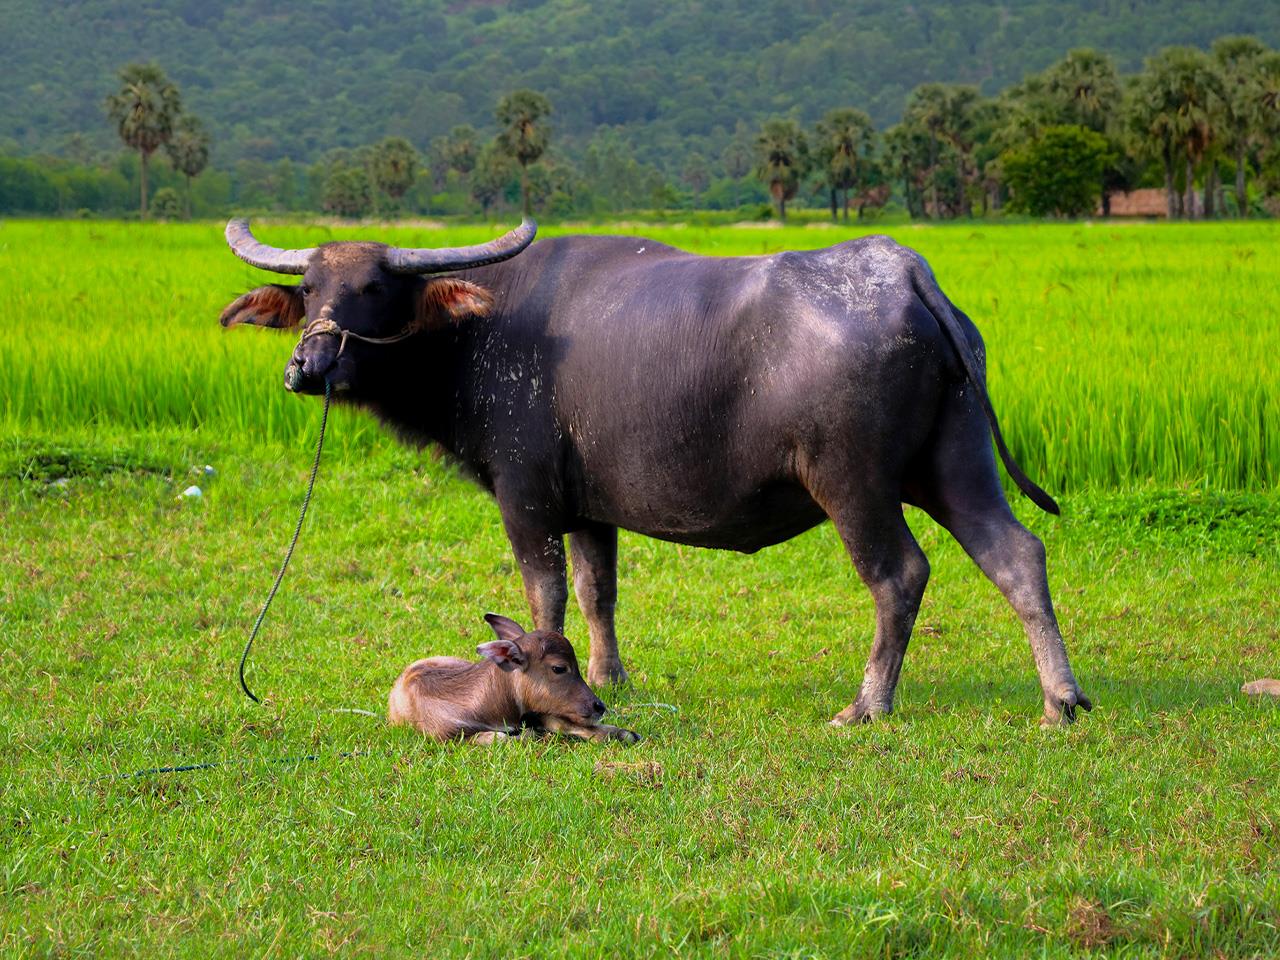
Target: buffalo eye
[(559, 668), (306, 289), (371, 288)]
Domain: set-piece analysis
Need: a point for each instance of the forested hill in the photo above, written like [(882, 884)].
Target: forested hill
[(296, 77)]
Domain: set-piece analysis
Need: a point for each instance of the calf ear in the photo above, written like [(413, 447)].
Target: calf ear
[(275, 305), (447, 300), (504, 627), (505, 653)]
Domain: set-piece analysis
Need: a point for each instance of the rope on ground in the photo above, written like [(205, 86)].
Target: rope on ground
[(297, 532)]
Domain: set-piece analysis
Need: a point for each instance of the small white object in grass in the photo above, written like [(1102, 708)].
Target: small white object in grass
[(209, 471), (61, 482), (193, 492)]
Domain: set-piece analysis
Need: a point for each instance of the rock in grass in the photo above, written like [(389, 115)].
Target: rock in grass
[(193, 492), (1262, 688)]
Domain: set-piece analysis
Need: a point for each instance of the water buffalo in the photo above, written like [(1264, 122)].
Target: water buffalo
[(591, 383)]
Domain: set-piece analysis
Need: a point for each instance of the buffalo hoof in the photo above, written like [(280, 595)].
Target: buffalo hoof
[(860, 711), (1060, 706), (606, 673)]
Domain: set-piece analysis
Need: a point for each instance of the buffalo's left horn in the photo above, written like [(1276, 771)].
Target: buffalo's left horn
[(251, 251), (428, 260)]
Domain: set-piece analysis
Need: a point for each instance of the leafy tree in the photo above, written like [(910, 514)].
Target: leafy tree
[(696, 173), (144, 110), (782, 159), (490, 176), (188, 150), (739, 156), (166, 204), (348, 192), (522, 118), (394, 167), (1059, 173), (1084, 89), (844, 154)]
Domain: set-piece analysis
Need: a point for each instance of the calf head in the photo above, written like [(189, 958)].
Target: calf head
[(356, 300), (544, 671)]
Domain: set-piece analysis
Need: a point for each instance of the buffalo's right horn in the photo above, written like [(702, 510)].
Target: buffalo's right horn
[(438, 260), (251, 251)]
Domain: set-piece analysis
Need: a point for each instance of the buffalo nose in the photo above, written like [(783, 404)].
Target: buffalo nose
[(600, 708), (316, 366)]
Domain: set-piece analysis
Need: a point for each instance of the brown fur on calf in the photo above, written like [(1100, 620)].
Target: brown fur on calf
[(525, 679)]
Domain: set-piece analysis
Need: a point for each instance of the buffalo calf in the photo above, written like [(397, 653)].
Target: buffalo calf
[(525, 679)]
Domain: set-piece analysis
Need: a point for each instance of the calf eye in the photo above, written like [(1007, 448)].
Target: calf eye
[(559, 669)]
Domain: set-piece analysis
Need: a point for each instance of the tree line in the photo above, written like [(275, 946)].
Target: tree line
[(1060, 142)]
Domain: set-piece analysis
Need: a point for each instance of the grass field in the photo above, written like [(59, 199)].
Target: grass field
[(1130, 365)]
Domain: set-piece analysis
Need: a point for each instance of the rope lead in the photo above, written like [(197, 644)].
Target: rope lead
[(297, 532)]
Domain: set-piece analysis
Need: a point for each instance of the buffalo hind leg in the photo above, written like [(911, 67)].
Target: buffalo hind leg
[(963, 493), (1013, 558), (594, 550), (539, 551), (895, 570)]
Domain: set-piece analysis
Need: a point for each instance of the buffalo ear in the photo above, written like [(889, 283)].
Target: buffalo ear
[(275, 305), (448, 300)]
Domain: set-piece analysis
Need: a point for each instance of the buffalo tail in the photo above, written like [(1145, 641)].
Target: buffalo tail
[(927, 289)]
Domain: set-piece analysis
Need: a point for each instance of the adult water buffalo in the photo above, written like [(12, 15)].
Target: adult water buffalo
[(591, 383)]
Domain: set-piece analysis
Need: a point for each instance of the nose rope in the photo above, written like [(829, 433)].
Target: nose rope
[(324, 325), (297, 532)]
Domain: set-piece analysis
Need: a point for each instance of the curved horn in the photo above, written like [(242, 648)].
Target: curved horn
[(248, 249), (428, 260)]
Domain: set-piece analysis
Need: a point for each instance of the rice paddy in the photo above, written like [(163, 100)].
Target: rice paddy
[(1120, 354)]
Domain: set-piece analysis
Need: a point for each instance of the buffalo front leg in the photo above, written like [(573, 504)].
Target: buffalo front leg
[(895, 570), (600, 732), (595, 582), (539, 551)]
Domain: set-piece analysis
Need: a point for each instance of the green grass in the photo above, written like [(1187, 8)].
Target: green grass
[(742, 825)]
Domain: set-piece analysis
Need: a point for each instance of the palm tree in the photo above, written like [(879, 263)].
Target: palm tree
[(946, 115), (782, 158), (461, 148), (1240, 61), (1083, 89), (1172, 109), (524, 135), (927, 110), (144, 111), (844, 147), (188, 150), (907, 155)]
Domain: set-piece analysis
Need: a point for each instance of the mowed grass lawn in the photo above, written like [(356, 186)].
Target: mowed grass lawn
[(1131, 366)]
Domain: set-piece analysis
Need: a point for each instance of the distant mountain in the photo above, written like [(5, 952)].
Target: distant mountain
[(296, 77)]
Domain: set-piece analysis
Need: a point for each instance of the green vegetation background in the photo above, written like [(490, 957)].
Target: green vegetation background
[(675, 76)]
